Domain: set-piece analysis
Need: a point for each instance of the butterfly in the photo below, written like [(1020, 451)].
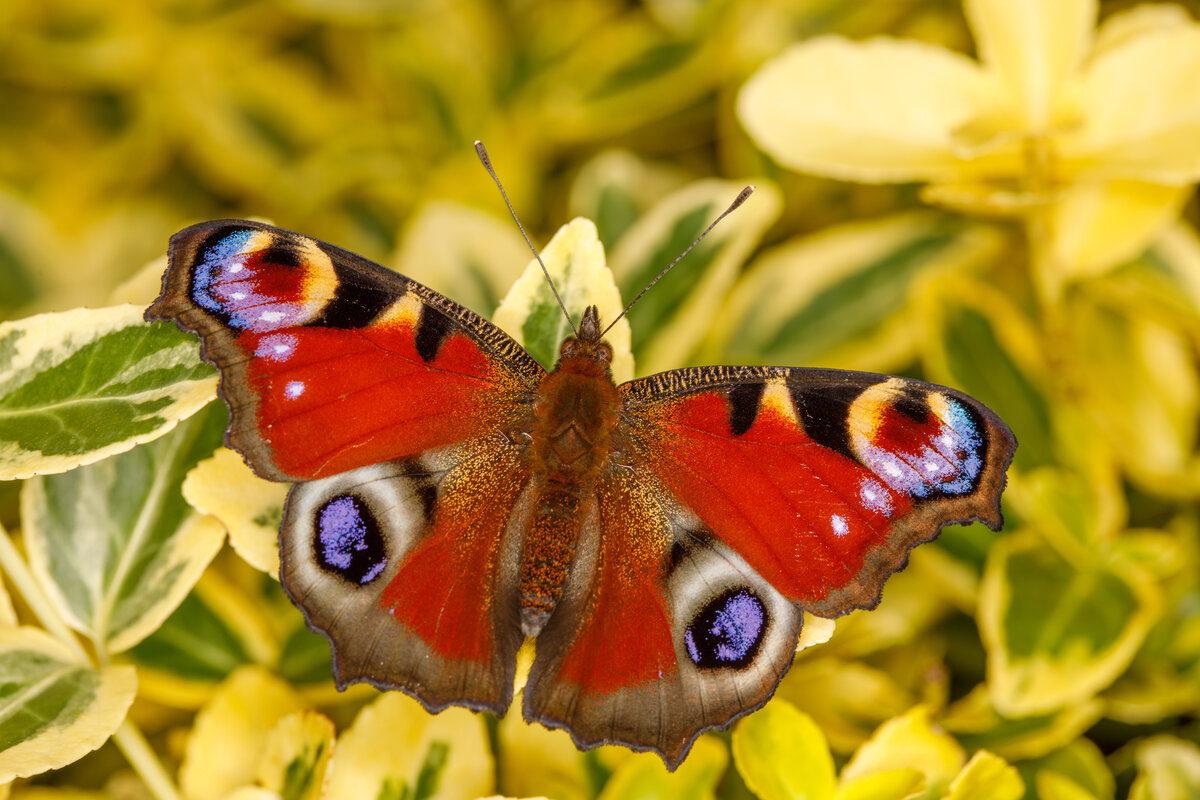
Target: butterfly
[(660, 539)]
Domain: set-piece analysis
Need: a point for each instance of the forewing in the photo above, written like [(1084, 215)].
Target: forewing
[(330, 362), (822, 480)]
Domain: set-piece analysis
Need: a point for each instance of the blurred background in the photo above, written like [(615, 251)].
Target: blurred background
[(353, 122)]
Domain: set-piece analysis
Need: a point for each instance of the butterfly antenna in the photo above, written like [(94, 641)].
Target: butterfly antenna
[(737, 201), (481, 151)]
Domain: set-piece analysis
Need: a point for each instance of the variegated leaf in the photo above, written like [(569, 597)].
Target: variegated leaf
[(53, 709), (575, 260), (842, 298), (1058, 632), (114, 544), (669, 321), (82, 385)]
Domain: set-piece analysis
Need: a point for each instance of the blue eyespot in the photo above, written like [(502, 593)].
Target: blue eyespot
[(728, 631), (348, 540)]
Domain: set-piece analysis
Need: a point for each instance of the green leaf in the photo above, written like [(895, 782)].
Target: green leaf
[(82, 385), (983, 346), (531, 314), (671, 319), (841, 298), (1056, 632), (54, 710), (114, 543), (782, 754)]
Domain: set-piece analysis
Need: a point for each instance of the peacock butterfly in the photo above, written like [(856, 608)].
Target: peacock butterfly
[(660, 538)]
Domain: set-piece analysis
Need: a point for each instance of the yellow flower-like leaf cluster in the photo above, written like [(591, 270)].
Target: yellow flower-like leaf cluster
[(1093, 133)]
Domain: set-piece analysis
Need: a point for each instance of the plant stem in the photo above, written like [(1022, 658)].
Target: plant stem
[(18, 572), (145, 761)]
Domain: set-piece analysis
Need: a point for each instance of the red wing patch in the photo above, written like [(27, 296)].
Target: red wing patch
[(822, 480), (330, 362)]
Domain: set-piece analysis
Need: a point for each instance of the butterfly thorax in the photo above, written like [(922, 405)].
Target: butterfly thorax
[(574, 414)]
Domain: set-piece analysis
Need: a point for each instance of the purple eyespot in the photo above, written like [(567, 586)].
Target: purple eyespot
[(348, 541), (728, 631)]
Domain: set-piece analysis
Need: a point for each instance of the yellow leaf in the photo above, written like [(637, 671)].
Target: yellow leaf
[(248, 506), (781, 753), (911, 740), (987, 777), (642, 776), (228, 741), (297, 756), (1035, 47), (877, 111), (394, 740)]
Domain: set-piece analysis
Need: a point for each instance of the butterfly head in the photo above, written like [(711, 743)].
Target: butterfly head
[(587, 346)]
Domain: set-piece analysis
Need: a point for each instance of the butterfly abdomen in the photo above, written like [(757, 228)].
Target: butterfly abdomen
[(575, 412)]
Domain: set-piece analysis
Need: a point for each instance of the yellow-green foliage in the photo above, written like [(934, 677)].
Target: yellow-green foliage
[(993, 198)]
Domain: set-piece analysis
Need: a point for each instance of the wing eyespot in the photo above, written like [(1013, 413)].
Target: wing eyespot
[(728, 631), (348, 541)]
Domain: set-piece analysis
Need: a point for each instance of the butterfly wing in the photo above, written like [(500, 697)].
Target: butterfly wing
[(745, 496), (330, 362), (392, 407)]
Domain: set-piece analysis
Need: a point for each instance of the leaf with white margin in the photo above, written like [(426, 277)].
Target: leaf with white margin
[(114, 544), (671, 319), (53, 709), (844, 297), (396, 749), (1168, 769), (79, 386), (1058, 632), (249, 507), (575, 260)]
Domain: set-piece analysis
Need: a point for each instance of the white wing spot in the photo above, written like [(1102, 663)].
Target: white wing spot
[(235, 268), (839, 524), (293, 390), (271, 316)]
